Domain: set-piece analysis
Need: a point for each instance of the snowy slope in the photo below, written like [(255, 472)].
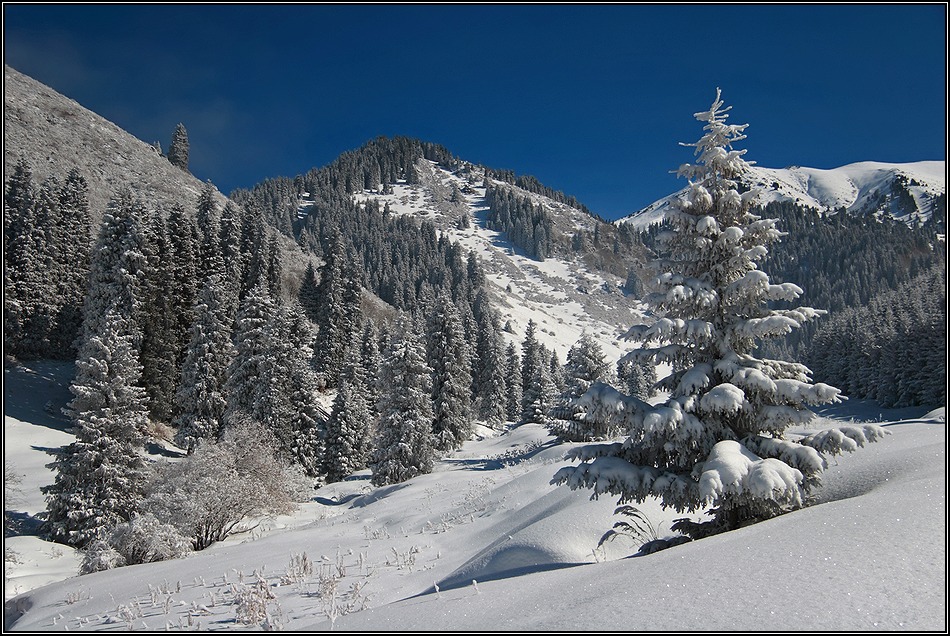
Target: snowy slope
[(486, 543), (865, 187), (55, 134), (561, 294)]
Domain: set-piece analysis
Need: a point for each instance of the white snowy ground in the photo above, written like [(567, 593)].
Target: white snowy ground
[(509, 552)]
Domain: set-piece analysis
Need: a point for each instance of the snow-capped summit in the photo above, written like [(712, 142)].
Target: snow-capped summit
[(905, 191)]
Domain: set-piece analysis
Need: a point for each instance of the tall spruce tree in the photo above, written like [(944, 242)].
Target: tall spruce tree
[(338, 311), (718, 440), (293, 373), (231, 256), (208, 220), (18, 202), (74, 255), (200, 400), (118, 267), (308, 297), (585, 366), (348, 432), (515, 383), (490, 382), (532, 364), (251, 342), (370, 361), (450, 360), (179, 149), (38, 273), (404, 436), (637, 377), (184, 239), (100, 477), (159, 357)]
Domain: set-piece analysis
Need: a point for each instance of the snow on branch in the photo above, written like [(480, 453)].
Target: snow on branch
[(616, 476), (796, 392), (835, 441), (774, 325), (732, 469), (610, 409), (784, 291), (804, 458), (724, 398), (779, 417)]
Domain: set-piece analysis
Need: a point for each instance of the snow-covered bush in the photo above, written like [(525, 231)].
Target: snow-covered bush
[(143, 539), (719, 441), (207, 495)]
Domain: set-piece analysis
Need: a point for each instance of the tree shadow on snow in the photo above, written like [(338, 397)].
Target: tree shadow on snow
[(20, 524), (37, 395), (515, 455), (453, 583)]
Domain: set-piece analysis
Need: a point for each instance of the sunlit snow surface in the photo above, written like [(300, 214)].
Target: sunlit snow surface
[(508, 551)]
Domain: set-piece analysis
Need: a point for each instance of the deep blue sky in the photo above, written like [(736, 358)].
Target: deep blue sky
[(590, 99)]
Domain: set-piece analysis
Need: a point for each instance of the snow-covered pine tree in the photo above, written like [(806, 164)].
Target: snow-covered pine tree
[(514, 382), (184, 239), (348, 432), (251, 342), (118, 266), (307, 295), (293, 335), (333, 332), (159, 357), (179, 148), (637, 378), (531, 363), (209, 224), (38, 272), (74, 212), (275, 268), (200, 400), (585, 366), (719, 440), (370, 361), (100, 477), (490, 364), (18, 201), (404, 435), (450, 360), (557, 372), (232, 257)]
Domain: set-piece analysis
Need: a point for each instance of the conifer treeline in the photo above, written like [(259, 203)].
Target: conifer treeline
[(892, 350), (46, 247), (527, 224), (876, 278)]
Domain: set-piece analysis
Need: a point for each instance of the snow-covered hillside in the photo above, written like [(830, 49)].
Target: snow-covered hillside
[(867, 187), (561, 294), (55, 134), (485, 543)]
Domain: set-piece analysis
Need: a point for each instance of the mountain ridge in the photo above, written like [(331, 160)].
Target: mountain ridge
[(55, 134), (905, 191)]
